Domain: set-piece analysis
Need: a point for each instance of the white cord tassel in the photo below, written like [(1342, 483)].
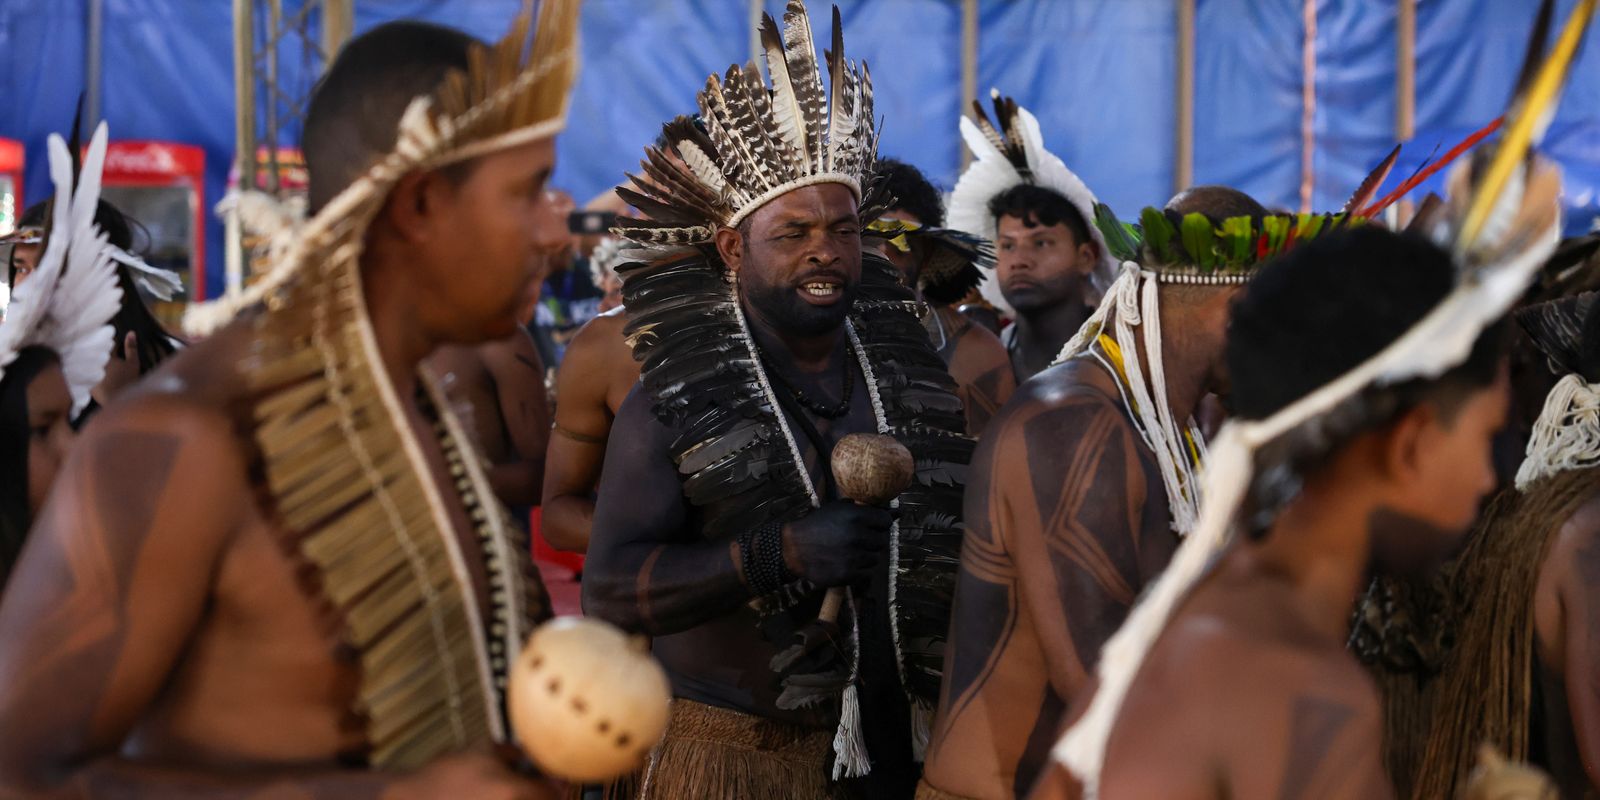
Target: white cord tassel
[(1567, 435), (849, 747)]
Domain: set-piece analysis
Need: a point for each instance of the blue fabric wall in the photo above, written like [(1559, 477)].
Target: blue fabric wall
[(1097, 74)]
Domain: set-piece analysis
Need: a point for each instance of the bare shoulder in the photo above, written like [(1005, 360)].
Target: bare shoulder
[(1067, 406), (1279, 716), (602, 334)]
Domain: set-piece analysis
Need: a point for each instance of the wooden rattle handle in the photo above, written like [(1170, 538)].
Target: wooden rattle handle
[(871, 469), (831, 603)]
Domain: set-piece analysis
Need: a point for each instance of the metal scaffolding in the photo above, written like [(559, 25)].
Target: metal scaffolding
[(270, 106)]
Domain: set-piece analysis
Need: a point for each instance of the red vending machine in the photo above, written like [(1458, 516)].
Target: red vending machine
[(162, 186), (10, 184)]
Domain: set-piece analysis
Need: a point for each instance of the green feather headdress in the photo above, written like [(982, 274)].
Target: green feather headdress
[(1193, 248)]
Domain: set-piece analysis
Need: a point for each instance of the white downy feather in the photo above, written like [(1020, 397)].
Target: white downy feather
[(67, 304)]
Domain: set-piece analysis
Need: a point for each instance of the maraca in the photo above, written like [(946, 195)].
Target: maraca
[(872, 469), (587, 701)]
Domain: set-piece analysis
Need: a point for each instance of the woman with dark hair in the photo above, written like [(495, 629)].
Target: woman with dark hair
[(54, 344), (137, 329)]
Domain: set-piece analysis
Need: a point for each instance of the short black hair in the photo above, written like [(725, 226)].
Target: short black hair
[(1037, 206), (913, 193), (1216, 202), (356, 107), (1332, 303)]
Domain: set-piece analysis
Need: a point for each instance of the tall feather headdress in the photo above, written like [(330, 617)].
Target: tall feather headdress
[(67, 304), (1502, 223), (1009, 152), (758, 144)]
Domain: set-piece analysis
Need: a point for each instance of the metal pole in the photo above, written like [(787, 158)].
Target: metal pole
[(1308, 106), (969, 63), (338, 22), (244, 136), (1183, 122), (94, 44), (275, 28), (1405, 85), (756, 56)]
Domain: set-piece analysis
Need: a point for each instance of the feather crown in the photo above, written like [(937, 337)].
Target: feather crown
[(1008, 152), (67, 303), (512, 93), (1502, 223), (1194, 248), (1556, 327), (753, 144)]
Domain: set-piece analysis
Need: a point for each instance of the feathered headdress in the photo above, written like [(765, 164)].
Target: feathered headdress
[(1008, 152), (1503, 224), (513, 93), (954, 261), (758, 144), (1567, 434), (68, 302), (604, 260)]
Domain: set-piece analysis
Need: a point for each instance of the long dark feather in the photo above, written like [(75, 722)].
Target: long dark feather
[(1369, 185)]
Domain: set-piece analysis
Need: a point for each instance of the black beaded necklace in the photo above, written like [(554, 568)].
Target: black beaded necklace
[(824, 410)]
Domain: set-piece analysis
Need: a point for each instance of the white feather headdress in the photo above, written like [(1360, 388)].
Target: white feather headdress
[(1007, 153), (67, 303), (1503, 223)]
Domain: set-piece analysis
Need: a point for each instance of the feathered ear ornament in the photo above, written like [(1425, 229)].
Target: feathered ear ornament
[(1500, 230)]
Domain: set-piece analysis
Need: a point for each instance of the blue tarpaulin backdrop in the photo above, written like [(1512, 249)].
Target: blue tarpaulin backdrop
[(1098, 73)]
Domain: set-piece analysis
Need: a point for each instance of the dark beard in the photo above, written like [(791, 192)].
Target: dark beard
[(785, 311)]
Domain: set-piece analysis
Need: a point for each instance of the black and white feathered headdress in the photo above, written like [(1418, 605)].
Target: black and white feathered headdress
[(1010, 152), (758, 144), (67, 304)]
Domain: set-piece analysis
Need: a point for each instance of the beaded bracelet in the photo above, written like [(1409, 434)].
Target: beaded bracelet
[(761, 553)]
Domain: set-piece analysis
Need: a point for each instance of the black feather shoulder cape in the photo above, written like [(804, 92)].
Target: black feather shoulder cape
[(699, 368)]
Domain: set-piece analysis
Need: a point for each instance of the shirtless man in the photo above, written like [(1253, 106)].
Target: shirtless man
[(596, 374), (499, 386), (160, 638), (1068, 517), (1249, 690), (975, 356)]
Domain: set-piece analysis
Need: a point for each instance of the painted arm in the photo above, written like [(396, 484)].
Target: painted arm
[(518, 374), (576, 452), (1580, 627)]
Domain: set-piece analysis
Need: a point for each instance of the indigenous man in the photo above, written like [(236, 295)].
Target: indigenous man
[(1052, 261), (274, 567), (1493, 677), (1084, 485), (1368, 380), (596, 374), (942, 267), (498, 388), (767, 334)]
